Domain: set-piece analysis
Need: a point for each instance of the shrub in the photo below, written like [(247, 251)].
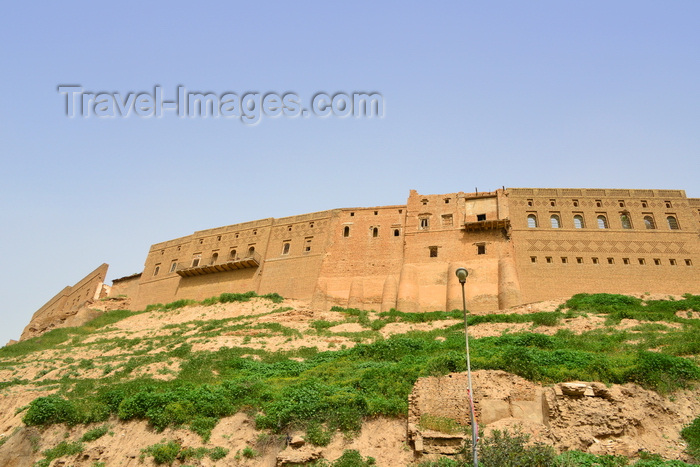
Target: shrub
[(663, 373), (503, 449), (95, 433), (691, 434), (51, 409), (163, 453), (317, 435), (249, 452), (62, 449), (217, 453)]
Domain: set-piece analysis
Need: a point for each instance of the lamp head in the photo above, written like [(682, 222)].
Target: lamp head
[(462, 275)]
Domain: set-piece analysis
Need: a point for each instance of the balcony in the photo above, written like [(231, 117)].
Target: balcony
[(493, 224), (216, 264)]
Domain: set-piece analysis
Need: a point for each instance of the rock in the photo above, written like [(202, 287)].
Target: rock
[(573, 389), (297, 441), (298, 456)]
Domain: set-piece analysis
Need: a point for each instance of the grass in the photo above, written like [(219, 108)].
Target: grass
[(337, 389)]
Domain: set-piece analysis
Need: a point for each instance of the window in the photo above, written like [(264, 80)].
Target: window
[(397, 232), (548, 259), (598, 203), (218, 238), (156, 270), (376, 213), (481, 217), (668, 204), (649, 222), (564, 260), (688, 262), (375, 232), (346, 231), (602, 222), (433, 251), (672, 222), (621, 203), (555, 221), (625, 261), (552, 202), (447, 200), (481, 249), (575, 201), (251, 250), (579, 260), (173, 266), (424, 223), (672, 261), (195, 260), (642, 261), (285, 248), (532, 221), (232, 255), (533, 259), (352, 214), (201, 240), (529, 202), (594, 260), (214, 258), (447, 219), (424, 201), (625, 221), (307, 244), (611, 260), (578, 221), (289, 228), (645, 204), (657, 262), (311, 225)]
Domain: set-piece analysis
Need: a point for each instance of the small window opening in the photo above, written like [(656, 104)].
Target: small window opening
[(375, 232), (672, 223), (376, 212), (424, 223), (447, 200), (481, 217), (575, 203), (156, 270), (611, 260), (397, 233), (529, 202), (285, 248), (218, 238), (672, 261), (552, 202), (251, 250), (642, 261), (598, 203), (533, 259), (424, 201), (625, 261), (232, 255), (621, 203), (352, 214), (173, 266), (346, 231), (548, 259), (481, 249), (201, 240), (433, 251), (645, 204), (214, 258), (668, 204), (579, 260), (311, 225), (195, 261), (688, 262), (657, 262), (307, 245), (289, 228), (564, 259), (594, 260)]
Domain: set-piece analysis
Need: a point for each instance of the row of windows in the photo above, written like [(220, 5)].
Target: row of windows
[(480, 250), (599, 203), (610, 260), (602, 221), (373, 230)]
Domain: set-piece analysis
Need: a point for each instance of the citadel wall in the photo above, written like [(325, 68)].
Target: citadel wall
[(519, 245)]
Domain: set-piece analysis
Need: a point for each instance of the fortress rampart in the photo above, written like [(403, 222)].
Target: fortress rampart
[(519, 244)]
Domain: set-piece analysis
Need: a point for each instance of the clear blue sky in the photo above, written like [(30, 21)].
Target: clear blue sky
[(477, 94)]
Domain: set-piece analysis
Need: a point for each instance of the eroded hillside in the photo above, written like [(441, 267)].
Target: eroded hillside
[(245, 380)]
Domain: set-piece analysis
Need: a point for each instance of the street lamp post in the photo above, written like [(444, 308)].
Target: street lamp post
[(462, 274)]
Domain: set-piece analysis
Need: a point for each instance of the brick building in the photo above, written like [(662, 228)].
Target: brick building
[(519, 244)]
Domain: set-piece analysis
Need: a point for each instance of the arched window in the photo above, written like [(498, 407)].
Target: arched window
[(251, 250), (672, 223), (214, 258), (346, 231), (578, 221), (232, 255), (649, 222), (532, 221), (156, 270), (375, 232), (555, 221), (602, 222), (285, 248), (397, 233), (625, 221)]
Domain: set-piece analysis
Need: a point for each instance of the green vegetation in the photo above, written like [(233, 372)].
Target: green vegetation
[(62, 449), (95, 433), (691, 434), (350, 458), (322, 392)]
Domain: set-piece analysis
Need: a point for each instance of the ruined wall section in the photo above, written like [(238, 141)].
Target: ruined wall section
[(363, 259), (616, 241), (66, 303)]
